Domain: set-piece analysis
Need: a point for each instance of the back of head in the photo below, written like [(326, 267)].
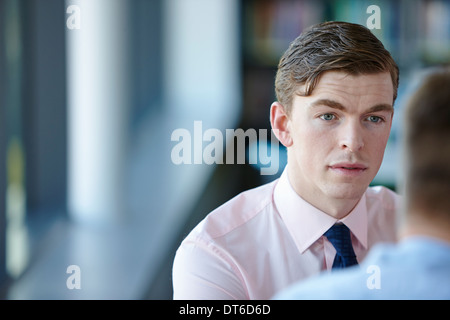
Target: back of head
[(427, 148), (330, 46)]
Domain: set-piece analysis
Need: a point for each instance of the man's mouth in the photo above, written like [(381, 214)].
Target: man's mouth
[(352, 169)]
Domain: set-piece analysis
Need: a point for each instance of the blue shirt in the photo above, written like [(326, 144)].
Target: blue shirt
[(417, 268)]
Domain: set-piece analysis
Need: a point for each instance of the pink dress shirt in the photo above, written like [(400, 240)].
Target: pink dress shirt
[(267, 238)]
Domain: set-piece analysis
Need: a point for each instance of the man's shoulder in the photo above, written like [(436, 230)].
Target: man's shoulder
[(235, 212), (407, 270), (356, 282)]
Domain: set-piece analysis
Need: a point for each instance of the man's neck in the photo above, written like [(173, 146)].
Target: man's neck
[(420, 225), (337, 208), (334, 207)]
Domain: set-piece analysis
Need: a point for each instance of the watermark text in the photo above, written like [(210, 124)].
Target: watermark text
[(191, 148)]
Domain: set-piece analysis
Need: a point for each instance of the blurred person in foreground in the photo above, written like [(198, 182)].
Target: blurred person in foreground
[(336, 85), (418, 266)]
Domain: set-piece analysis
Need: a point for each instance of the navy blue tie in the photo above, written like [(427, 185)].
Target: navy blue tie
[(339, 236)]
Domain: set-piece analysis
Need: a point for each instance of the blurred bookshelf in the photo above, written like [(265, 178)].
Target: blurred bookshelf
[(416, 32)]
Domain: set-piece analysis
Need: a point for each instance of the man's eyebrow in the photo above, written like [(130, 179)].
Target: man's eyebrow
[(336, 105), (328, 103), (381, 107)]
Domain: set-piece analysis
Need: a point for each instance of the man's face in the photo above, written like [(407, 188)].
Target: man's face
[(339, 134)]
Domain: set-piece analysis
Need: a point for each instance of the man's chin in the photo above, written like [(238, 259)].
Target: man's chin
[(347, 191)]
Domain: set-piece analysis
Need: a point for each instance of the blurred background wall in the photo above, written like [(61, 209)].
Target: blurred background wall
[(91, 92)]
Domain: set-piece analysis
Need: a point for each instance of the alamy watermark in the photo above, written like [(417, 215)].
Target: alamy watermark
[(73, 21), (374, 280), (207, 147), (374, 21), (74, 280)]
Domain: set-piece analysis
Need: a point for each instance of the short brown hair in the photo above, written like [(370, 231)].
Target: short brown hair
[(328, 46), (427, 138)]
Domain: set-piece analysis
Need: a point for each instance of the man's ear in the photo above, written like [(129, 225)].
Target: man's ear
[(280, 123)]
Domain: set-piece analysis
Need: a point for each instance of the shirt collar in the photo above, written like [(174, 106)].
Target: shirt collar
[(356, 221), (306, 223)]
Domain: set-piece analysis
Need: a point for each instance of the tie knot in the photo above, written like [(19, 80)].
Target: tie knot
[(338, 232), (340, 238)]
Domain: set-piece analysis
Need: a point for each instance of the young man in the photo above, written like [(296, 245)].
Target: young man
[(336, 86), (418, 267)]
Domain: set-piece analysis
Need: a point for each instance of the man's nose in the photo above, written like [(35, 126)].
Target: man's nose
[(351, 136)]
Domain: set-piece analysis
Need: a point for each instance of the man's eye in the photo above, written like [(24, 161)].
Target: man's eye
[(375, 119), (327, 117)]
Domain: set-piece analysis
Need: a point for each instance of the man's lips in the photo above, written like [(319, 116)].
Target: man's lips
[(348, 168), (348, 165)]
